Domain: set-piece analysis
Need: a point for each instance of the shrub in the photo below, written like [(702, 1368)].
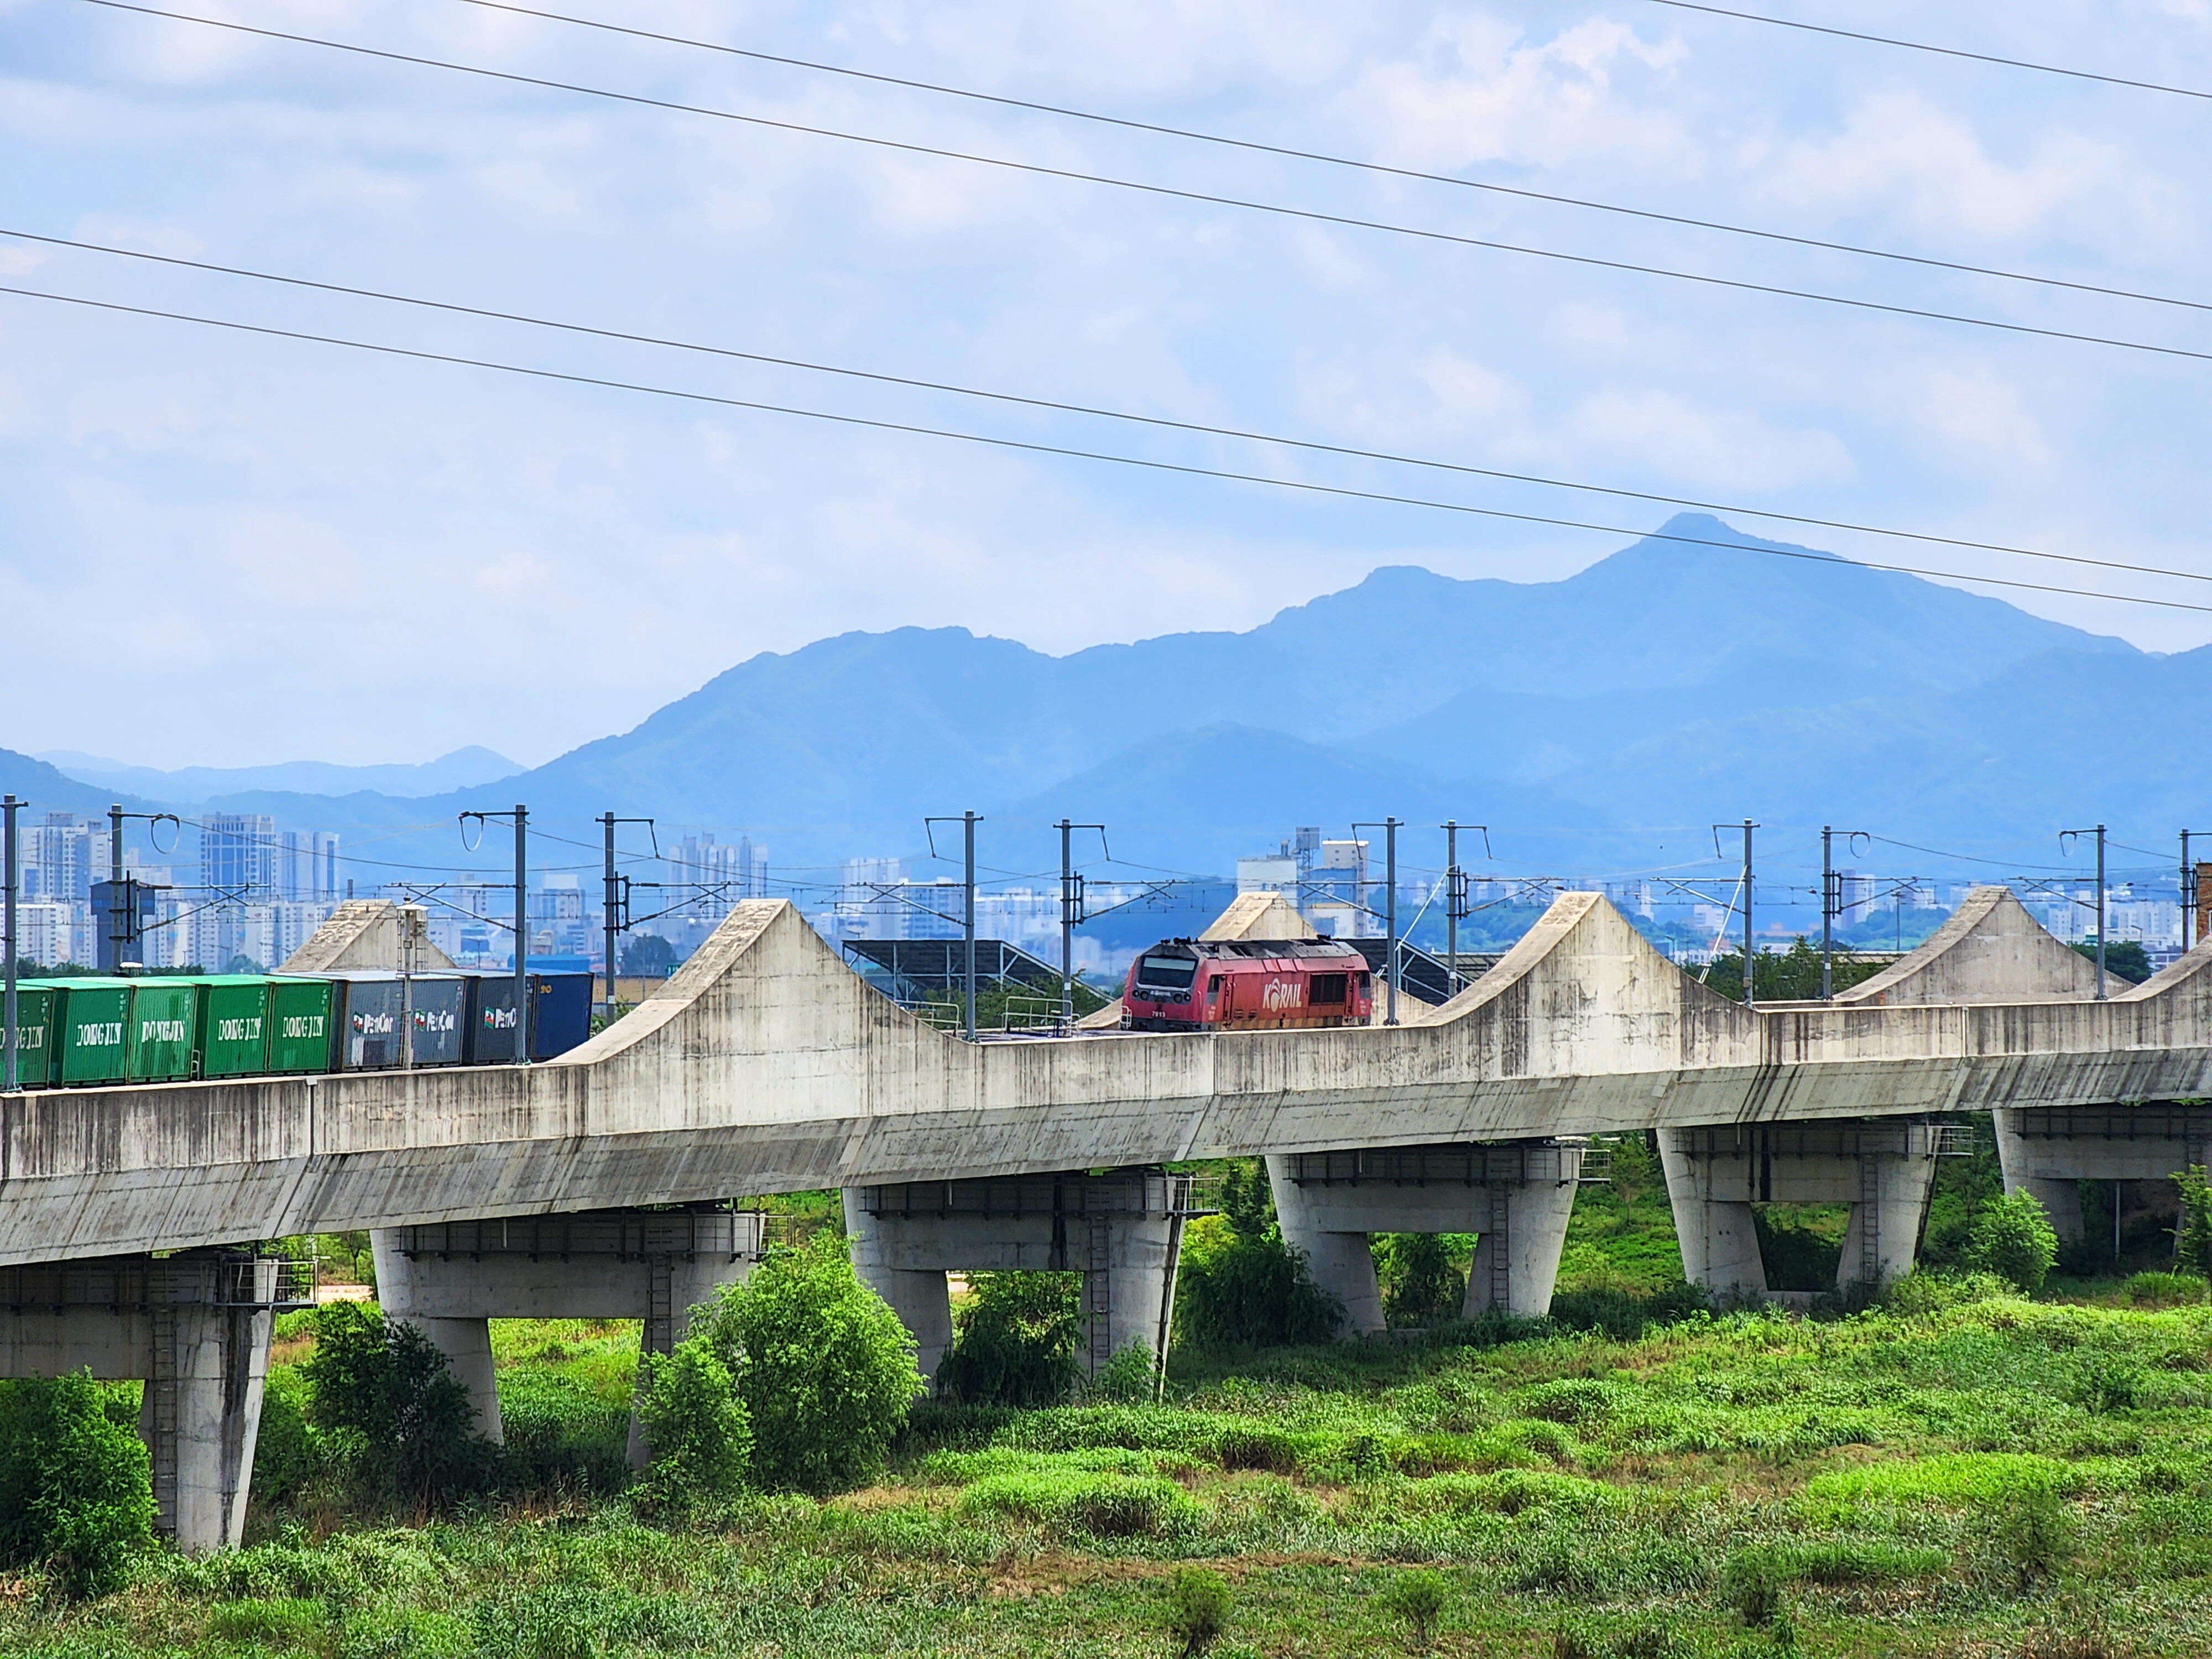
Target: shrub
[(2193, 1239), (388, 1391), (75, 1488), (2013, 1239), (1419, 1284), (1753, 1581), (1417, 1597), (2110, 1382), (824, 1368), (1101, 1503), (1254, 1292), (1015, 1342), (696, 1428), (1131, 1375), (1920, 1293), (2033, 1533), (1198, 1609), (2164, 1290)]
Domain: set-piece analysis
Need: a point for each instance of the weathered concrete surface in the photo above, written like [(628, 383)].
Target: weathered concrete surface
[(194, 1329), (1259, 915), (1884, 1170), (765, 1065), (1990, 950), (364, 933), (2048, 1151)]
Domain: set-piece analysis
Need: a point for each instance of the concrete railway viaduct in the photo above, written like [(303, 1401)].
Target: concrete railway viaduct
[(598, 1184)]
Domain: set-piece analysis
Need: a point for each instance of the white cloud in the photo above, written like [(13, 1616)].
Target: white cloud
[(1661, 434)]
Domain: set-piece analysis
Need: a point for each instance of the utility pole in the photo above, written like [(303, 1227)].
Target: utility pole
[(119, 912), (1832, 905), (615, 901), (1456, 909), (1389, 828), (2189, 893), (968, 922), (1750, 996), (2066, 838), (521, 934), (1750, 999), (1071, 917), (521, 817), (10, 1075)]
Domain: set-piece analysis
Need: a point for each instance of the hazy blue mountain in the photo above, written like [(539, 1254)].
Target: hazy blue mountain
[(47, 789), (195, 784), (1671, 684)]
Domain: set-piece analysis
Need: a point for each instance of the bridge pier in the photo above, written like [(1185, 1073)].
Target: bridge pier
[(1884, 1170), (195, 1328), (2049, 1150), (449, 1279), (1122, 1231), (1515, 1196)]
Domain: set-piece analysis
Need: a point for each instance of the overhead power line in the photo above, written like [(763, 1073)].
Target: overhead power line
[(1941, 51), (1070, 453), (1293, 152), (1208, 198), (1097, 412)]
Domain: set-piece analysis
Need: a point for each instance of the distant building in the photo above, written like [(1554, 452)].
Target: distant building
[(1268, 874), (238, 854)]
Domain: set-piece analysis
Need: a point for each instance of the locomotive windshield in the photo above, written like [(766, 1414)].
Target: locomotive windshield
[(1174, 973)]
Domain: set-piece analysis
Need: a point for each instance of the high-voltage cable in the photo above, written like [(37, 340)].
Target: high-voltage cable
[(1940, 51), (1313, 216), (1290, 152), (1071, 452), (1315, 445)]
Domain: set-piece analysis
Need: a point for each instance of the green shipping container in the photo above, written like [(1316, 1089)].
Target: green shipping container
[(234, 1025), (35, 1047), (300, 1034), (164, 1023), (94, 1018)]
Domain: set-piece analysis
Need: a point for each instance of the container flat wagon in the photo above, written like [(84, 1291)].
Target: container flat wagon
[(159, 1028)]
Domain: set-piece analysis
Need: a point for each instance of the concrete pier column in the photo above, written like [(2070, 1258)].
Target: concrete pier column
[(918, 1296), (402, 1294), (2060, 1196), (1340, 1260), (1125, 1303), (1516, 1257), (1719, 1240), (195, 1328), (1883, 1235)]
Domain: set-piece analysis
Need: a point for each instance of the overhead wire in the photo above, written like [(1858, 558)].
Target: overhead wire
[(1941, 51), (1072, 452), (1290, 152), (1101, 412), (1205, 197)]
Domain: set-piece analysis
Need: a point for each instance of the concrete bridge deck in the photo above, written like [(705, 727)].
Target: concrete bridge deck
[(765, 1065)]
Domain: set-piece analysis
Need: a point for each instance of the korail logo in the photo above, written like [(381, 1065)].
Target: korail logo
[(1282, 995)]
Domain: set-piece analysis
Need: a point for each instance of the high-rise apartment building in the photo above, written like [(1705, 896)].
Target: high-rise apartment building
[(238, 854)]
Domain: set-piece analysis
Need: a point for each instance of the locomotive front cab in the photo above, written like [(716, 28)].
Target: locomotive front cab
[(1163, 991)]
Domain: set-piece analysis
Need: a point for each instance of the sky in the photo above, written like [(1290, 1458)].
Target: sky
[(218, 548)]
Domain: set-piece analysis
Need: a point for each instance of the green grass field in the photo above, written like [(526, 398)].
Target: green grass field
[(1963, 1473)]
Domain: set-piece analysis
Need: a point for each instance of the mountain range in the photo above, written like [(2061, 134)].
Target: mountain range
[(1601, 721)]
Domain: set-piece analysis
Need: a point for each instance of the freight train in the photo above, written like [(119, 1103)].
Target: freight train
[(1246, 985), (74, 1033)]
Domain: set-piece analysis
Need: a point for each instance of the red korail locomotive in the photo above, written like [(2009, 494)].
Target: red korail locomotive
[(1246, 985)]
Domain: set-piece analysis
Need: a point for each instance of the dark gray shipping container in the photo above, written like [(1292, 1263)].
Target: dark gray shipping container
[(491, 1019), (379, 1009)]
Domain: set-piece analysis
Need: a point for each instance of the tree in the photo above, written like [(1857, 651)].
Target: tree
[(824, 1367), (1016, 1339), (2124, 958), (384, 1384), (75, 1492), (698, 1427), (2192, 1241), (1419, 1284), (2013, 1239), (1252, 1290), (1791, 975), (648, 956)]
